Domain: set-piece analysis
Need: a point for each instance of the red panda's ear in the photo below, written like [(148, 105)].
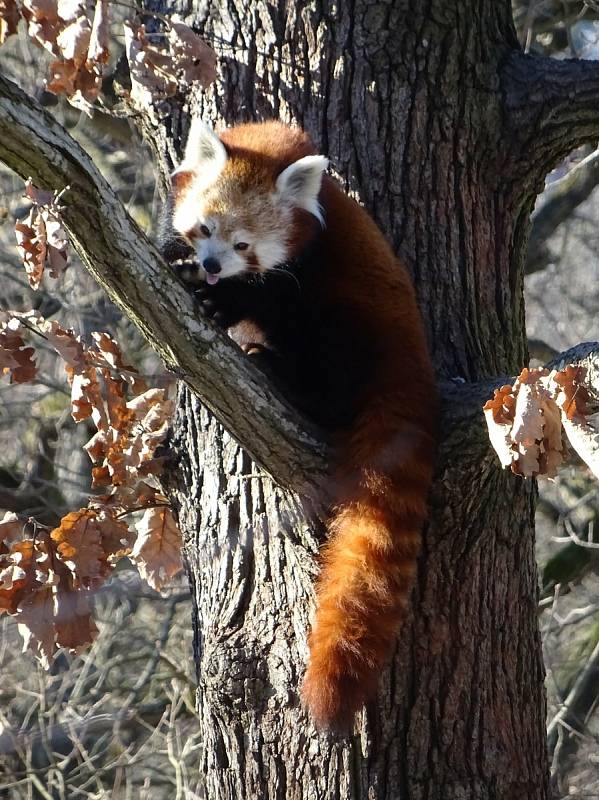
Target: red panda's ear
[(299, 184), (180, 181), (205, 154)]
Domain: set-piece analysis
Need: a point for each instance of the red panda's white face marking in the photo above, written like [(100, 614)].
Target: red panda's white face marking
[(237, 215), (225, 248), (233, 232)]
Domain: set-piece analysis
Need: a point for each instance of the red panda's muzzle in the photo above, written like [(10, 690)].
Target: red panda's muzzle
[(212, 267)]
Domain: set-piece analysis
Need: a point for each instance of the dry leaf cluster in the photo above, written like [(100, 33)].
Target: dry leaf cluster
[(161, 70), (528, 421), (76, 33), (41, 238), (46, 577)]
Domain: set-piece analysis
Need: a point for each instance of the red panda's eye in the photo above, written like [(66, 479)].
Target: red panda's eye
[(205, 230), (241, 246)]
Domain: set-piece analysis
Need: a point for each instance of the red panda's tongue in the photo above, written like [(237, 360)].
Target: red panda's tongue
[(211, 279)]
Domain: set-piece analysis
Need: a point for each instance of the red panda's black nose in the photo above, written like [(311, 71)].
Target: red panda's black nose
[(211, 265)]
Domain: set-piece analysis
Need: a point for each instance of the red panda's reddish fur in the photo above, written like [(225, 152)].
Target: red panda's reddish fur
[(384, 458), (384, 471)]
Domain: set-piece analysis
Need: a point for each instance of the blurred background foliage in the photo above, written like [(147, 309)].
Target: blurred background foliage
[(118, 721)]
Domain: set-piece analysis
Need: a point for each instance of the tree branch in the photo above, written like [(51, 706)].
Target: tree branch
[(462, 419), (548, 15), (572, 716), (563, 199), (128, 266), (541, 351), (552, 107), (130, 269), (585, 354)]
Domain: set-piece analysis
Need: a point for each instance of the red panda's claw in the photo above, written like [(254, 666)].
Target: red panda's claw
[(253, 349), (188, 271), (210, 307)]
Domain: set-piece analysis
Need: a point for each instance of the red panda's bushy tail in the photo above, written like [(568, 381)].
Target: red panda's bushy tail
[(368, 569)]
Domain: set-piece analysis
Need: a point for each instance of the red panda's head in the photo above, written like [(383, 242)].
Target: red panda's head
[(237, 206)]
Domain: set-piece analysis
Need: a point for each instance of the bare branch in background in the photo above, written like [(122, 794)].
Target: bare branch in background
[(569, 723), (562, 198)]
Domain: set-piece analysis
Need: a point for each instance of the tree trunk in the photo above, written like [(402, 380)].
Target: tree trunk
[(408, 100), (445, 130)]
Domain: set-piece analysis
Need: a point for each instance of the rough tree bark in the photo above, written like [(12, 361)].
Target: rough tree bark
[(433, 117), (445, 131)]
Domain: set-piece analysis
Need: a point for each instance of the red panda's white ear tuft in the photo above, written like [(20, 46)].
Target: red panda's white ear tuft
[(204, 151), (299, 184)]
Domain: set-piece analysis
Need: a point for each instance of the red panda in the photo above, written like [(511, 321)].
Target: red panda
[(301, 274)]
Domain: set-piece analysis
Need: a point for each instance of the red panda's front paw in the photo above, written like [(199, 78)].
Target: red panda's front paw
[(188, 271), (213, 306)]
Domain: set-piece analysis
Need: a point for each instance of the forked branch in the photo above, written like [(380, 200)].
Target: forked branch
[(552, 107), (128, 266), (130, 269)]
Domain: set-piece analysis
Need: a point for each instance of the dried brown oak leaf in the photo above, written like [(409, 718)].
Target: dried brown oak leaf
[(582, 427), (41, 238), (65, 343), (37, 589), (157, 550), (31, 244), (11, 530), (108, 354), (35, 623), (528, 427), (524, 425), (150, 68), (79, 82), (9, 19), (73, 40), (527, 421), (135, 496), (78, 541), (537, 442), (158, 72), (16, 359), (113, 444), (18, 574), (116, 537), (88, 540), (119, 416), (151, 408), (73, 623), (152, 412), (86, 398), (573, 397), (78, 41), (499, 413), (43, 24), (74, 626), (193, 59), (124, 451)]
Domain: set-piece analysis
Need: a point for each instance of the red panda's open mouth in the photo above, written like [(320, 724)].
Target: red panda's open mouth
[(211, 279)]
